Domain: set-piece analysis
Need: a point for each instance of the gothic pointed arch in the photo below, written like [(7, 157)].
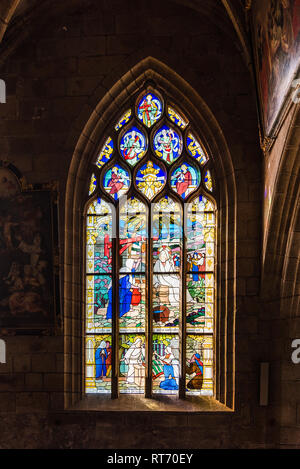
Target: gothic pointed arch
[(94, 185)]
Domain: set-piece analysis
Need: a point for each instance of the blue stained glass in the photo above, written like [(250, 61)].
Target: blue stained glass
[(167, 144), (150, 179), (165, 364), (185, 180), (133, 145), (149, 109), (105, 153), (116, 181), (195, 149), (176, 118), (124, 119)]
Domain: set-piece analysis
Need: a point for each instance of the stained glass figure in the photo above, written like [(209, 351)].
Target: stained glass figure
[(99, 232), (98, 299), (106, 152), (133, 145), (166, 270), (99, 207), (124, 119), (116, 181), (149, 109), (98, 364), (200, 234), (150, 179), (167, 254), (195, 149), (199, 365), (175, 117), (167, 144), (200, 302), (93, 184), (208, 181), (165, 364), (133, 233), (185, 180), (132, 364)]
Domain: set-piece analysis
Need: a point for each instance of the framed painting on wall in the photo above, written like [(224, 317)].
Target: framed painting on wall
[(28, 245), (276, 33)]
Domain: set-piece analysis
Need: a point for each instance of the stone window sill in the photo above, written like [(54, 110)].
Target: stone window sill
[(199, 404)]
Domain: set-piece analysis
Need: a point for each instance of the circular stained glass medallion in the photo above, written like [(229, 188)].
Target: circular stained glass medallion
[(149, 109), (116, 181), (133, 145), (167, 144), (185, 179)]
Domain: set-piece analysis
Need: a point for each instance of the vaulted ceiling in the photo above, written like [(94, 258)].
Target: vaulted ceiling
[(20, 16)]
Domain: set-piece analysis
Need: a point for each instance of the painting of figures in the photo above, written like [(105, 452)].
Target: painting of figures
[(277, 37), (26, 272)]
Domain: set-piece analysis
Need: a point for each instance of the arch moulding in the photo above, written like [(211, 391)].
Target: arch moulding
[(109, 108)]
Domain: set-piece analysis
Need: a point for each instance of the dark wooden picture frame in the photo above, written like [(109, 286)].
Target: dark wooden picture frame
[(29, 276)]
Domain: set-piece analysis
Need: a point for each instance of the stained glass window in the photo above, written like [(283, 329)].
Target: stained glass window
[(150, 257)]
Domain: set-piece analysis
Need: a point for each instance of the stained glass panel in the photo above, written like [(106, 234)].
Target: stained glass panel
[(166, 301), (132, 363), (99, 231), (185, 180), (149, 109), (124, 119), (200, 302), (167, 144), (105, 153), (199, 365), (133, 234), (93, 184), (208, 181), (120, 272), (175, 117), (133, 145), (99, 207), (195, 149), (116, 181), (98, 364), (150, 179), (132, 299), (165, 364), (200, 232), (98, 303)]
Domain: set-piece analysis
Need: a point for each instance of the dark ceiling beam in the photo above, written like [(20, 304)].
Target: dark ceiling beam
[(7, 9), (239, 27)]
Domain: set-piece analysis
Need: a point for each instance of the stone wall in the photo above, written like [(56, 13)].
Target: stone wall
[(61, 65)]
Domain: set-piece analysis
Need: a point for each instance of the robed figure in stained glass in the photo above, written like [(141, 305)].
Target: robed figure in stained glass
[(149, 110), (170, 370), (195, 370), (197, 264), (126, 286), (100, 360), (166, 144), (184, 180), (134, 358), (116, 182), (165, 264)]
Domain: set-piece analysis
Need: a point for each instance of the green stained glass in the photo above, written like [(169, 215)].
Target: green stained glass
[(150, 266)]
